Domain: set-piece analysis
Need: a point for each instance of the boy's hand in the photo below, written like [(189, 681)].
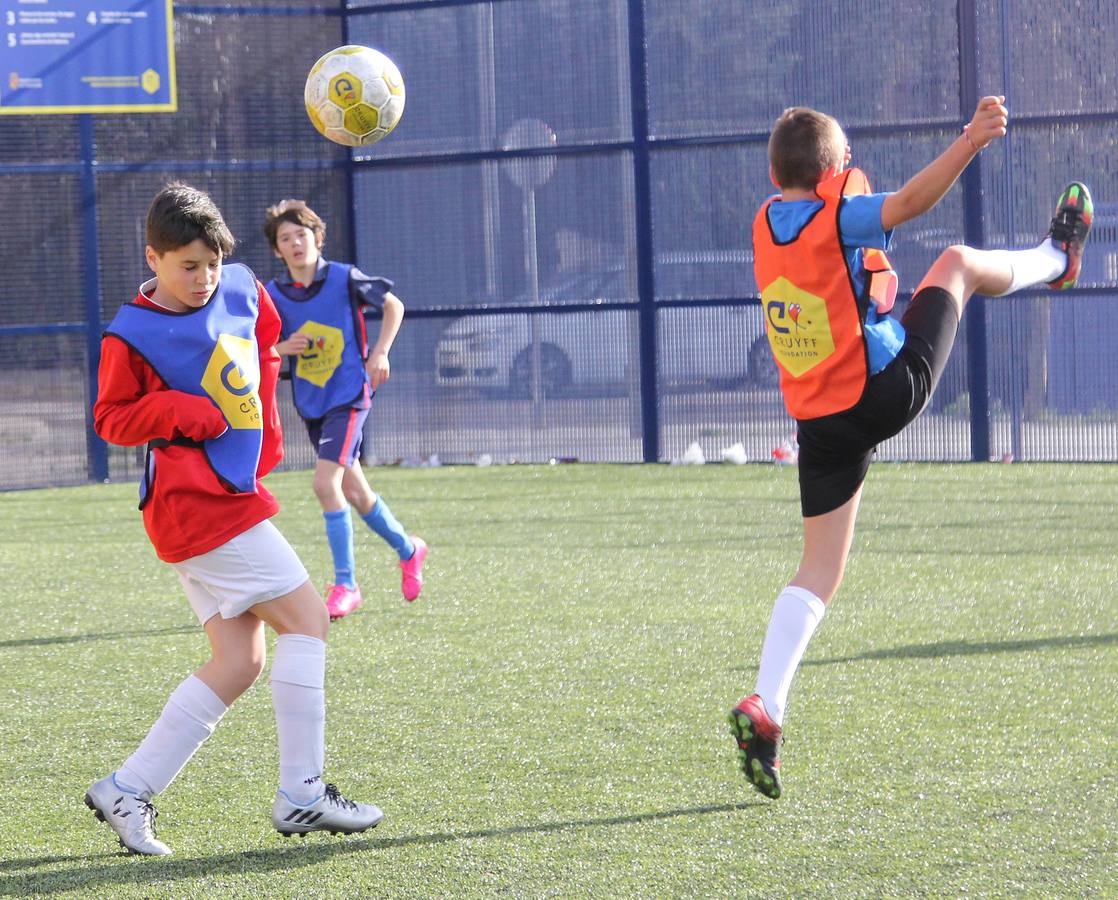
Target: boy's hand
[(928, 186), (197, 433), (377, 368), (197, 417), (294, 345), (989, 121)]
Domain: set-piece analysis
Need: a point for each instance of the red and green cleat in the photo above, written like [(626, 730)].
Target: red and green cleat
[(1069, 229), (759, 739)]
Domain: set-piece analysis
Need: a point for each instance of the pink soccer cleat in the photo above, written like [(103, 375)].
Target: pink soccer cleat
[(342, 600), (412, 582)]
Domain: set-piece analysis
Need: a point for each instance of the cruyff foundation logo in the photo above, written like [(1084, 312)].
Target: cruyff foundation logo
[(232, 380), (797, 325), (344, 91), (319, 361)]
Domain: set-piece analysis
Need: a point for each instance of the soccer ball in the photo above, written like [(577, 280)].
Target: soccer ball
[(354, 95)]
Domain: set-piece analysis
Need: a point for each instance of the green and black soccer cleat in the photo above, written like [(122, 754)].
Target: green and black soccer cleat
[(1069, 229)]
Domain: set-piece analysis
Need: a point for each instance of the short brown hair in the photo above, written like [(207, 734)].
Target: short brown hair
[(802, 147), (180, 215), (298, 213)]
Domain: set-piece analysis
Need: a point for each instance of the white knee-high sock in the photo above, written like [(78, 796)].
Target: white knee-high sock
[(1036, 266), (797, 612), (190, 716), (299, 698)]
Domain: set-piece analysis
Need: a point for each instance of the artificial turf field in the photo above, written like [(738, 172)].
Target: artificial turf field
[(548, 720)]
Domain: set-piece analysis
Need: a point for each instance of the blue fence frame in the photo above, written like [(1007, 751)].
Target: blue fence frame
[(641, 147)]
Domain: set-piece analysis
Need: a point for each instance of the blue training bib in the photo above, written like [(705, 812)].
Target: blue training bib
[(209, 352), (330, 373)]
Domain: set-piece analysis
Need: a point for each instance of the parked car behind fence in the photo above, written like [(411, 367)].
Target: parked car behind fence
[(596, 351)]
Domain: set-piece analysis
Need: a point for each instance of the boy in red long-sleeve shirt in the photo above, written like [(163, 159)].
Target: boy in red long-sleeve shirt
[(189, 368)]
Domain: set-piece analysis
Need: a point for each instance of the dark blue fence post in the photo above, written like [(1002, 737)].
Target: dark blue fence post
[(97, 452), (351, 249), (978, 370), (642, 191)]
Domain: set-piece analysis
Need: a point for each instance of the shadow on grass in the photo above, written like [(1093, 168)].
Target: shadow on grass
[(97, 636), (971, 648), (96, 869)]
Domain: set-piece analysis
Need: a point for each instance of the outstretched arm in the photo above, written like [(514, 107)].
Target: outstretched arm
[(927, 187)]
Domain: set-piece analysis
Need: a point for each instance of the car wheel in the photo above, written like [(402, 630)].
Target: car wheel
[(763, 371), (555, 372)]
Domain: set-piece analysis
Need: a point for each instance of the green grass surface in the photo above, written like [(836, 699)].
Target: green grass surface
[(548, 720)]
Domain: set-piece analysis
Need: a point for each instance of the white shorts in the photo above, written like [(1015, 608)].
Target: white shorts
[(255, 566)]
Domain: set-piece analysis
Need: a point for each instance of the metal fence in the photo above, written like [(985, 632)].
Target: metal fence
[(565, 211)]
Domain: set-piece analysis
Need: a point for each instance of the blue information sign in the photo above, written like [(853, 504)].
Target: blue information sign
[(86, 56)]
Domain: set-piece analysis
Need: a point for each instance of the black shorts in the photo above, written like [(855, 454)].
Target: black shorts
[(835, 450)]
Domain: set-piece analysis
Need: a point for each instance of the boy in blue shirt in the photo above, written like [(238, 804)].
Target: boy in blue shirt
[(851, 375), (334, 376)]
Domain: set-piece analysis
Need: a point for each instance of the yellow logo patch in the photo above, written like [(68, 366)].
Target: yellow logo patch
[(317, 363), (797, 326), (345, 90), (149, 81), (232, 379)]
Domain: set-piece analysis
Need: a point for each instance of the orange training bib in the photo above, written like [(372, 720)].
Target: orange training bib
[(812, 316)]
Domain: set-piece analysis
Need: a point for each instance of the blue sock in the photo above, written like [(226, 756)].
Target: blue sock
[(381, 520), (339, 532)]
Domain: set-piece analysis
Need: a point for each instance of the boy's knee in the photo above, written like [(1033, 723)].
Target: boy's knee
[(958, 257), (323, 487), (241, 672)]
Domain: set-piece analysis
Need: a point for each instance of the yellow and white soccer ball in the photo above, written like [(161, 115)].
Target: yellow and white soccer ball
[(354, 95)]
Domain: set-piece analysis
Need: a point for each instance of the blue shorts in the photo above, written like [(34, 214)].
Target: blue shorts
[(337, 435)]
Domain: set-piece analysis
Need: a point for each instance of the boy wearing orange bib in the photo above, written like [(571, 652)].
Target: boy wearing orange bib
[(852, 375)]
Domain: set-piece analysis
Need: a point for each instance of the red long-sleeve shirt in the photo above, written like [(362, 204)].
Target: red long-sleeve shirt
[(189, 511)]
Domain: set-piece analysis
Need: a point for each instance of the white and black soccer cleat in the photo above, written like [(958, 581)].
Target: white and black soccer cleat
[(329, 812), (131, 816)]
